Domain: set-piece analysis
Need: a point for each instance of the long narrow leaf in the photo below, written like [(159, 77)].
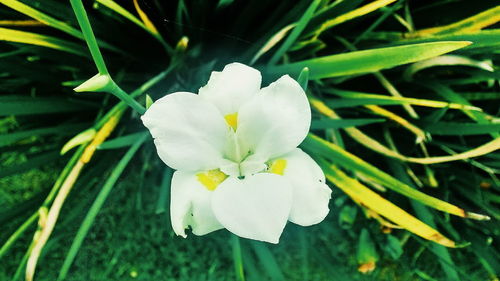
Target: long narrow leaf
[(96, 206), (383, 207), (17, 36), (345, 159), (360, 62)]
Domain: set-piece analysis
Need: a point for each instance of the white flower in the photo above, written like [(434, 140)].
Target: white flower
[(234, 146)]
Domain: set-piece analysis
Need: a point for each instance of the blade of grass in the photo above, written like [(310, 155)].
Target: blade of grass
[(16, 235), (273, 41), (349, 161), (20, 105), (322, 124), (426, 216), (33, 162), (446, 60), (366, 61), (361, 11), (145, 19), (60, 130), (448, 94), (237, 258), (120, 142), (460, 129), (48, 223), (386, 84), (268, 261), (378, 204), (163, 198), (24, 37), (482, 40), (97, 205), (400, 100), (374, 145), (50, 21), (112, 5), (421, 135), (297, 30), (20, 23), (470, 24)]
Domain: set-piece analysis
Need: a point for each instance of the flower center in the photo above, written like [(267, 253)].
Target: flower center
[(232, 120), (211, 179)]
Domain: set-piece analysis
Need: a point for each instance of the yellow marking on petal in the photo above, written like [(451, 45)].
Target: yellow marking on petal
[(232, 120), (211, 179), (278, 167)]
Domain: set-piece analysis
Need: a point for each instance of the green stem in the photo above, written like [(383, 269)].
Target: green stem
[(88, 34), (114, 89), (137, 92), (238, 261), (17, 234)]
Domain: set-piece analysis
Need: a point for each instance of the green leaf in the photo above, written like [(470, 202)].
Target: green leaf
[(349, 161), (361, 62), (460, 129), (149, 101), (50, 21), (121, 142), (112, 5), (61, 130), (33, 162), (342, 123), (347, 216), (361, 11), (96, 206), (275, 39), (366, 248), (299, 27), (163, 198), (393, 247), (426, 216), (303, 78), (238, 261), (19, 105), (81, 138), (369, 99), (83, 21), (483, 41), (268, 261), (24, 37)]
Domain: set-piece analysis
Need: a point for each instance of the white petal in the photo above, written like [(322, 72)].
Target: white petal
[(232, 87), (190, 205), (256, 207), (276, 120), (310, 193), (189, 132)]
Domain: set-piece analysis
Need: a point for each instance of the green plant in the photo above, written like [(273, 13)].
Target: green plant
[(399, 114)]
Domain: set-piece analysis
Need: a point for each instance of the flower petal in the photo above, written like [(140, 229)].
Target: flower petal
[(232, 87), (276, 120), (189, 132), (310, 193), (256, 207), (190, 205)]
